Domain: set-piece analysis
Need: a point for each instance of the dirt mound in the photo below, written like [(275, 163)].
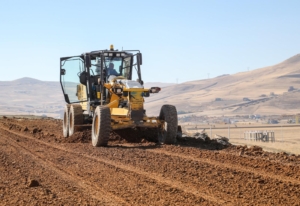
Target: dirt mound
[(83, 136), (118, 136), (207, 143), (51, 131)]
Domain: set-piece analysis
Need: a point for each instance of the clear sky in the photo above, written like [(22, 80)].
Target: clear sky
[(180, 40)]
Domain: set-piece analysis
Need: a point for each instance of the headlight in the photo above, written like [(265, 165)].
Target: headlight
[(119, 90), (106, 54), (117, 54), (122, 54), (111, 54)]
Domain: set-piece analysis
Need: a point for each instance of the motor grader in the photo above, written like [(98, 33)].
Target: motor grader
[(99, 96)]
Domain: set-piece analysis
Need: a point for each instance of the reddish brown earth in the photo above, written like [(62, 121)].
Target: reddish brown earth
[(40, 167)]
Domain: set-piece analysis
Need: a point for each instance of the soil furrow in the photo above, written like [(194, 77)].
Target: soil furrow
[(167, 186), (97, 194), (220, 163), (144, 173)]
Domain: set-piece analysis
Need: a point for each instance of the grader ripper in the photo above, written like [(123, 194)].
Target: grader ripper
[(99, 96)]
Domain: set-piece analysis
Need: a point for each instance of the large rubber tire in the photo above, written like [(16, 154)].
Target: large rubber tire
[(167, 134), (75, 117), (66, 121), (101, 126)]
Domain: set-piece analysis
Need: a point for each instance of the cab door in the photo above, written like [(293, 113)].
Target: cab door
[(70, 70)]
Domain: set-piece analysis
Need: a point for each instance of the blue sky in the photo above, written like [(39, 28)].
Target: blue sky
[(180, 40)]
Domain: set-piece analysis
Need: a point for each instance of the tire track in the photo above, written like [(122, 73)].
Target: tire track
[(230, 166), (69, 177), (218, 175), (174, 184)]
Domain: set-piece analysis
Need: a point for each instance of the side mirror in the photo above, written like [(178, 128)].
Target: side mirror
[(87, 61), (83, 78), (154, 89), (62, 71)]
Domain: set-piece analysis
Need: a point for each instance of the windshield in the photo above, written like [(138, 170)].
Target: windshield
[(113, 66), (117, 66)]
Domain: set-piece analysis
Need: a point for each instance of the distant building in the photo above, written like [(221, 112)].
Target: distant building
[(273, 121), (257, 116)]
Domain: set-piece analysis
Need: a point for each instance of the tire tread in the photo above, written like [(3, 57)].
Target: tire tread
[(66, 120), (101, 139), (77, 117), (169, 114)]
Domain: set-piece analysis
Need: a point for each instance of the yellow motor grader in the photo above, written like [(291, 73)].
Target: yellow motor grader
[(98, 95)]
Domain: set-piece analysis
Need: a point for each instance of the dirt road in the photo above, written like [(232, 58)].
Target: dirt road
[(39, 167)]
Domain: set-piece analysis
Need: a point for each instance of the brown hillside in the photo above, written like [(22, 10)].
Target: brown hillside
[(200, 95)]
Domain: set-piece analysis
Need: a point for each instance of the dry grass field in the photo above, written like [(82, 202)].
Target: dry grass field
[(287, 138)]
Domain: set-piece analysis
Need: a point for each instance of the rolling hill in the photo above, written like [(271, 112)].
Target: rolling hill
[(266, 87), (260, 91), (31, 96), (28, 96)]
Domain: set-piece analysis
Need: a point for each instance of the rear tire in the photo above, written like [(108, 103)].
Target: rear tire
[(101, 126), (75, 117), (66, 121), (168, 132)]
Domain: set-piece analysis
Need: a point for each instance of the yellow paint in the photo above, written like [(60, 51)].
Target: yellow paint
[(83, 105), (136, 90), (136, 100), (131, 124), (119, 111), (120, 117), (107, 85), (114, 101), (81, 95), (98, 95)]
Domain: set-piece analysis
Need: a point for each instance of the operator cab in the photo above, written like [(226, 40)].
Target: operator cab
[(82, 76)]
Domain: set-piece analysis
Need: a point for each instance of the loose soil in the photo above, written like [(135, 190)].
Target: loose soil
[(38, 166)]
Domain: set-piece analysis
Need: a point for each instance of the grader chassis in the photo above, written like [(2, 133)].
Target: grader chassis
[(108, 102)]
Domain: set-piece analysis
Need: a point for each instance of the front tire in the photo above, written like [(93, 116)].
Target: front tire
[(168, 131), (101, 126)]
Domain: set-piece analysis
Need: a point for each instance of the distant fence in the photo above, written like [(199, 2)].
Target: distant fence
[(264, 136)]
